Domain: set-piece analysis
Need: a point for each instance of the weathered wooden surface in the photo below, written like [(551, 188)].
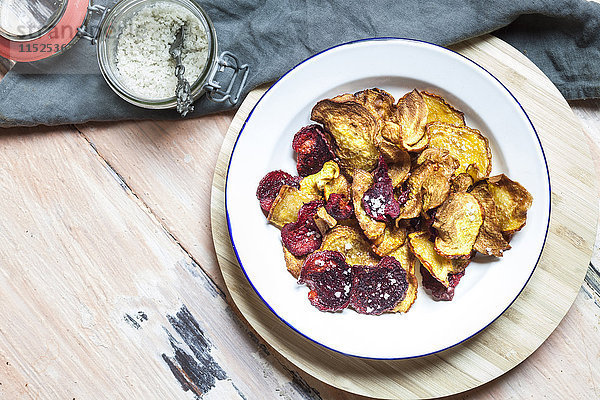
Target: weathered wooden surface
[(106, 261)]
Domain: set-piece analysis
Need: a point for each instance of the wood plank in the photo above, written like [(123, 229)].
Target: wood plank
[(97, 297), (588, 112), (169, 166)]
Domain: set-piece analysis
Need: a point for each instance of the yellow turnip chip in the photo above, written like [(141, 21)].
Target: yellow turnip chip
[(461, 182), (354, 130), (438, 266), (428, 184), (436, 189), (467, 145), (404, 255), (351, 243), (398, 161), (287, 204), (490, 240), (392, 238), (361, 182), (324, 221), (439, 110), (378, 102), (293, 263), (512, 202), (313, 185), (444, 160), (412, 117), (457, 223), (419, 146)]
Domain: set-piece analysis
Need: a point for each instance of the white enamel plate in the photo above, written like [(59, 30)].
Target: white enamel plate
[(396, 65)]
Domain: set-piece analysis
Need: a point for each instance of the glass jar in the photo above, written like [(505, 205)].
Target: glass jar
[(31, 30), (21, 20), (68, 20)]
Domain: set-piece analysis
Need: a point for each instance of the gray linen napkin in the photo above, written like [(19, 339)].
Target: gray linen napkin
[(562, 37)]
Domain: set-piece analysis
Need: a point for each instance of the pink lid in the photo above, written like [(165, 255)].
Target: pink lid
[(51, 43)]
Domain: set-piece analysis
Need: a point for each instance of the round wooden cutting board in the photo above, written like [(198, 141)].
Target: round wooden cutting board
[(524, 326)]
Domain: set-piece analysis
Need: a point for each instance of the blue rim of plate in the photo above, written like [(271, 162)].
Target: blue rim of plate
[(371, 40)]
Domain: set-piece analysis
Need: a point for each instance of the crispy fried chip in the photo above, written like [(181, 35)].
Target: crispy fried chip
[(324, 220), (303, 236), (339, 207), (436, 289), (457, 223), (361, 182), (428, 183), (293, 263), (351, 243), (412, 117), (419, 146), (439, 110), (314, 185), (381, 105), (270, 185), (438, 266), (330, 280), (354, 130), (467, 145), (379, 202), (392, 153), (436, 189), (461, 182), (338, 185), (398, 161), (490, 240), (342, 98), (442, 159), (312, 149), (379, 102), (388, 187), (379, 288), (512, 202), (391, 131), (410, 199), (407, 261), (392, 238), (286, 206)]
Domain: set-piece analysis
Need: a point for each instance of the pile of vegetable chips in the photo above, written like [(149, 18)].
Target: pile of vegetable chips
[(381, 188)]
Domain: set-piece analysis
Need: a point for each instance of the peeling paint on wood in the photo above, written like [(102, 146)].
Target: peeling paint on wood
[(592, 283), (196, 372), (136, 320)]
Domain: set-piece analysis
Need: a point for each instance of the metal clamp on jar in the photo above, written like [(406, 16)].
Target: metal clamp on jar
[(32, 30)]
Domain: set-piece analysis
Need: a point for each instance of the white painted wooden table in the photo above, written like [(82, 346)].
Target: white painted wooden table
[(109, 285)]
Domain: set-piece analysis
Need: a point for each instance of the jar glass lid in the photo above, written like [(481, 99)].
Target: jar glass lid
[(29, 19)]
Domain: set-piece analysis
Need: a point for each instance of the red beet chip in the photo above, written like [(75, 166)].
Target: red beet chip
[(339, 207), (269, 187), (329, 279), (379, 288), (312, 150), (379, 202), (303, 236), (308, 210), (436, 289)]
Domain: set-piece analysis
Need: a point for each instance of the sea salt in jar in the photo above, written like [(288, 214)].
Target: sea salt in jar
[(143, 49), (133, 40), (152, 23)]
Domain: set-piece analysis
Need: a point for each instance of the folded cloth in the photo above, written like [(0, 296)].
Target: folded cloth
[(562, 37)]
